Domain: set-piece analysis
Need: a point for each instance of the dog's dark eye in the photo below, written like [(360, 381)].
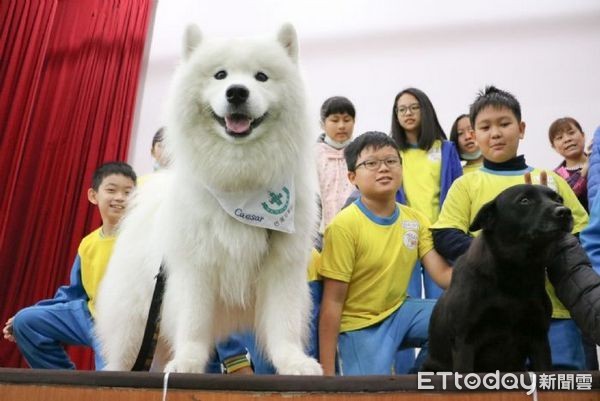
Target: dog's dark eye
[(261, 76), (524, 201), (221, 74)]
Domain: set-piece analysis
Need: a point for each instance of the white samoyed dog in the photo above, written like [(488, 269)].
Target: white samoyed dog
[(241, 148)]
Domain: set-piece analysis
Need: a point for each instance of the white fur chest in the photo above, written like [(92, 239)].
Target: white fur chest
[(223, 252)]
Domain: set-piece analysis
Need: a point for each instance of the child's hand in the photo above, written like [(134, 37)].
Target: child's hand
[(543, 178), (8, 330)]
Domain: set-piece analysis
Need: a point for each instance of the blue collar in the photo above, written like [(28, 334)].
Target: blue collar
[(527, 169), (384, 221)]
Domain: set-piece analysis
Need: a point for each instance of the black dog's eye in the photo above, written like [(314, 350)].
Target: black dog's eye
[(524, 201), (261, 76), (221, 74)]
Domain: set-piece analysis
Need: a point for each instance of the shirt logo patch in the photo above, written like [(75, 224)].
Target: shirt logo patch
[(410, 225), (435, 154), (411, 239)]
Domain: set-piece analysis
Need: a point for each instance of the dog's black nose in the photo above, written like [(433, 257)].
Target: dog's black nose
[(562, 211), (237, 94)]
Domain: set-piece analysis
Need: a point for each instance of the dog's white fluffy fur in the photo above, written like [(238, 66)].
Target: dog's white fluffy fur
[(222, 275)]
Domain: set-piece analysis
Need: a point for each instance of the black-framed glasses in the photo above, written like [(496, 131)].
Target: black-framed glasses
[(375, 164), (402, 110)]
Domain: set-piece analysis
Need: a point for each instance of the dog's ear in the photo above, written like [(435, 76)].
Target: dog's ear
[(486, 217), (193, 37), (289, 40)]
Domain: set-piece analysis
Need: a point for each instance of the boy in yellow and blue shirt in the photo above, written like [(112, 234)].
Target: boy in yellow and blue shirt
[(41, 330), (370, 249), (496, 118)]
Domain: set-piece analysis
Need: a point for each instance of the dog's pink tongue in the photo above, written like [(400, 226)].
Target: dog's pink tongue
[(237, 125)]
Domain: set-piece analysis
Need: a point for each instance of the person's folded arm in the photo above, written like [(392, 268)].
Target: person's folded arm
[(577, 285)]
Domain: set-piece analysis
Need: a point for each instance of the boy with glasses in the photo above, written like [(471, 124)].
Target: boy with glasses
[(369, 252)]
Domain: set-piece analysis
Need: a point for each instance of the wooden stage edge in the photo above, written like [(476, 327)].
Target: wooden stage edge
[(59, 385)]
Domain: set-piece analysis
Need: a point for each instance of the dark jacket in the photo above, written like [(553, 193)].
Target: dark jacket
[(577, 285)]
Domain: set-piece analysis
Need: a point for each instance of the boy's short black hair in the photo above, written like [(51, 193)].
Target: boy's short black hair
[(337, 105), (370, 139), (111, 168), (492, 96), (158, 136)]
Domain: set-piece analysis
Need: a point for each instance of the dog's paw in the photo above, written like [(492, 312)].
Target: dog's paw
[(300, 366), (183, 365)]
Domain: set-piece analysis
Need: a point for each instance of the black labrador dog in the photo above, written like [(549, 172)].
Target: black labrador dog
[(495, 314)]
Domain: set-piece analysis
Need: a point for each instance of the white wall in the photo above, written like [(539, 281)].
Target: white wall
[(546, 52)]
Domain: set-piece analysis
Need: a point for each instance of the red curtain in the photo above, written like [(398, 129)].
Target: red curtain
[(69, 74)]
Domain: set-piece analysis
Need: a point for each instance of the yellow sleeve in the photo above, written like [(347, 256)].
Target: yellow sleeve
[(456, 208), (313, 266), (425, 237), (580, 217), (338, 256)]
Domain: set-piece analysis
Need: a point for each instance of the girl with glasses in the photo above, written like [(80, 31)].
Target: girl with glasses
[(430, 164)]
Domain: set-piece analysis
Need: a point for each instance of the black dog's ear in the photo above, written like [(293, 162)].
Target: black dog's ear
[(486, 217)]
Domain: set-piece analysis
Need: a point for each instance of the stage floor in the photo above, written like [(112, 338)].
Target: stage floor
[(48, 385)]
